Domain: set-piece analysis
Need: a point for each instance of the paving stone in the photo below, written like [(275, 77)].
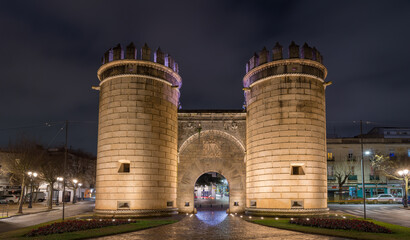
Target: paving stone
[(215, 225)]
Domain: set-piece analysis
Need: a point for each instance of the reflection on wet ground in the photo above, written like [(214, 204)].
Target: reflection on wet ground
[(214, 225), (211, 217)]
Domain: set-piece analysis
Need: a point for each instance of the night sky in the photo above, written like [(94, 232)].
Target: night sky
[(51, 50)]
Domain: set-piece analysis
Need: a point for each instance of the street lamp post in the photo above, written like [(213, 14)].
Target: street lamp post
[(31, 175), (59, 179), (362, 166), (405, 174), (79, 185), (75, 181)]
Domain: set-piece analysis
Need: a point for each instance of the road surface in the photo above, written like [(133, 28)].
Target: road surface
[(16, 222), (390, 213)]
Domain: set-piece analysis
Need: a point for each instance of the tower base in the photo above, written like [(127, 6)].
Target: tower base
[(136, 213), (291, 212)]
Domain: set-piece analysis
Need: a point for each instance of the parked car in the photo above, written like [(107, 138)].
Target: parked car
[(37, 197), (3, 200), (11, 198), (385, 198)]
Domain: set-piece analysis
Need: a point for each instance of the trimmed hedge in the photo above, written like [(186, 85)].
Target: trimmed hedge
[(345, 224), (75, 225)]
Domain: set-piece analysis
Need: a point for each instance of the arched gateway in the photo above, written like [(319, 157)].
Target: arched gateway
[(273, 153), (211, 141)]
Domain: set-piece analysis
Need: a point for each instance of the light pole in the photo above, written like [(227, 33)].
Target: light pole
[(31, 175), (65, 164), (405, 174), (75, 181), (59, 179), (79, 185), (362, 165)]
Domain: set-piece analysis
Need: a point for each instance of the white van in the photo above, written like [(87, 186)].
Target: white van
[(37, 197)]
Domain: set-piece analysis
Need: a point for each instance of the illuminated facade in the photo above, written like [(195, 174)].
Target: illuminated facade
[(273, 154), (345, 153)]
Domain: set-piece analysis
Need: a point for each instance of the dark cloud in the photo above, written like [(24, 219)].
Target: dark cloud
[(51, 50)]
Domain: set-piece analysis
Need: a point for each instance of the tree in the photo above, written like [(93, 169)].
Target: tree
[(50, 169), (207, 180), (81, 166), (341, 171), (22, 156), (389, 166)]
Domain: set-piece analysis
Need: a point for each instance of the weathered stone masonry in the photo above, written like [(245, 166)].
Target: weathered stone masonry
[(256, 150), (286, 132), (137, 126)]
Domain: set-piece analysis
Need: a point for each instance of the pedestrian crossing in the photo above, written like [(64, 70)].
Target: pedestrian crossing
[(394, 214)]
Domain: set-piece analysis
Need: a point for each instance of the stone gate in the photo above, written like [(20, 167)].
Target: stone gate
[(273, 153), (211, 141)]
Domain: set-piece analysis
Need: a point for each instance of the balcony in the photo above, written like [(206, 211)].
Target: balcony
[(351, 158), (374, 177), (330, 158), (352, 178)]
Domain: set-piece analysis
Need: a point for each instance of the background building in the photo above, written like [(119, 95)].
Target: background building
[(344, 155)]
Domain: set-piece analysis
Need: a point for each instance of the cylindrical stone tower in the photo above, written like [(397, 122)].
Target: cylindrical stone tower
[(286, 132), (137, 133)]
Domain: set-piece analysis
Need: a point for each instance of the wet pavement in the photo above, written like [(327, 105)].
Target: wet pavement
[(214, 225)]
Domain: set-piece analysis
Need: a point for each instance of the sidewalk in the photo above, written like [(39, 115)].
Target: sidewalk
[(10, 210)]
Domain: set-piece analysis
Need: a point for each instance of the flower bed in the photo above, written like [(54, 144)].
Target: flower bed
[(75, 225), (345, 224)]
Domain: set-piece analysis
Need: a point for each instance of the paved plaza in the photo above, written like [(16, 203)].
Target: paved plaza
[(214, 225)]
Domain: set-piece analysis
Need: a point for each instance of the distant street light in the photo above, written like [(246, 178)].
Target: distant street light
[(79, 185), (367, 153), (31, 175), (59, 179), (75, 181), (405, 174)]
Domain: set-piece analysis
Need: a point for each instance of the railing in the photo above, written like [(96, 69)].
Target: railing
[(331, 177), (374, 177), (5, 211), (352, 177)]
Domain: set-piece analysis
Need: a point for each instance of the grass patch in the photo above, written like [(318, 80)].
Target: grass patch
[(97, 232), (399, 232)]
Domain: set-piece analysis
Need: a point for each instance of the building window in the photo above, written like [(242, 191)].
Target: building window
[(124, 168), (330, 156), (297, 170), (236, 204), (186, 204), (253, 203), (170, 204), (350, 156), (408, 152)]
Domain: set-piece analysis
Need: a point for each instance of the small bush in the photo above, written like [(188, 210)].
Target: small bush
[(345, 224), (74, 225)]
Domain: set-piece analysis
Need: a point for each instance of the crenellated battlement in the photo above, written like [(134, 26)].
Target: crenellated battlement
[(131, 52), (305, 60), (294, 52)]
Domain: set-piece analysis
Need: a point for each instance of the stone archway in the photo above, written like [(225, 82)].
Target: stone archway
[(211, 151)]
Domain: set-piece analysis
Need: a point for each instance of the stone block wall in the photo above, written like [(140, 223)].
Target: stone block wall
[(286, 129), (137, 126)]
